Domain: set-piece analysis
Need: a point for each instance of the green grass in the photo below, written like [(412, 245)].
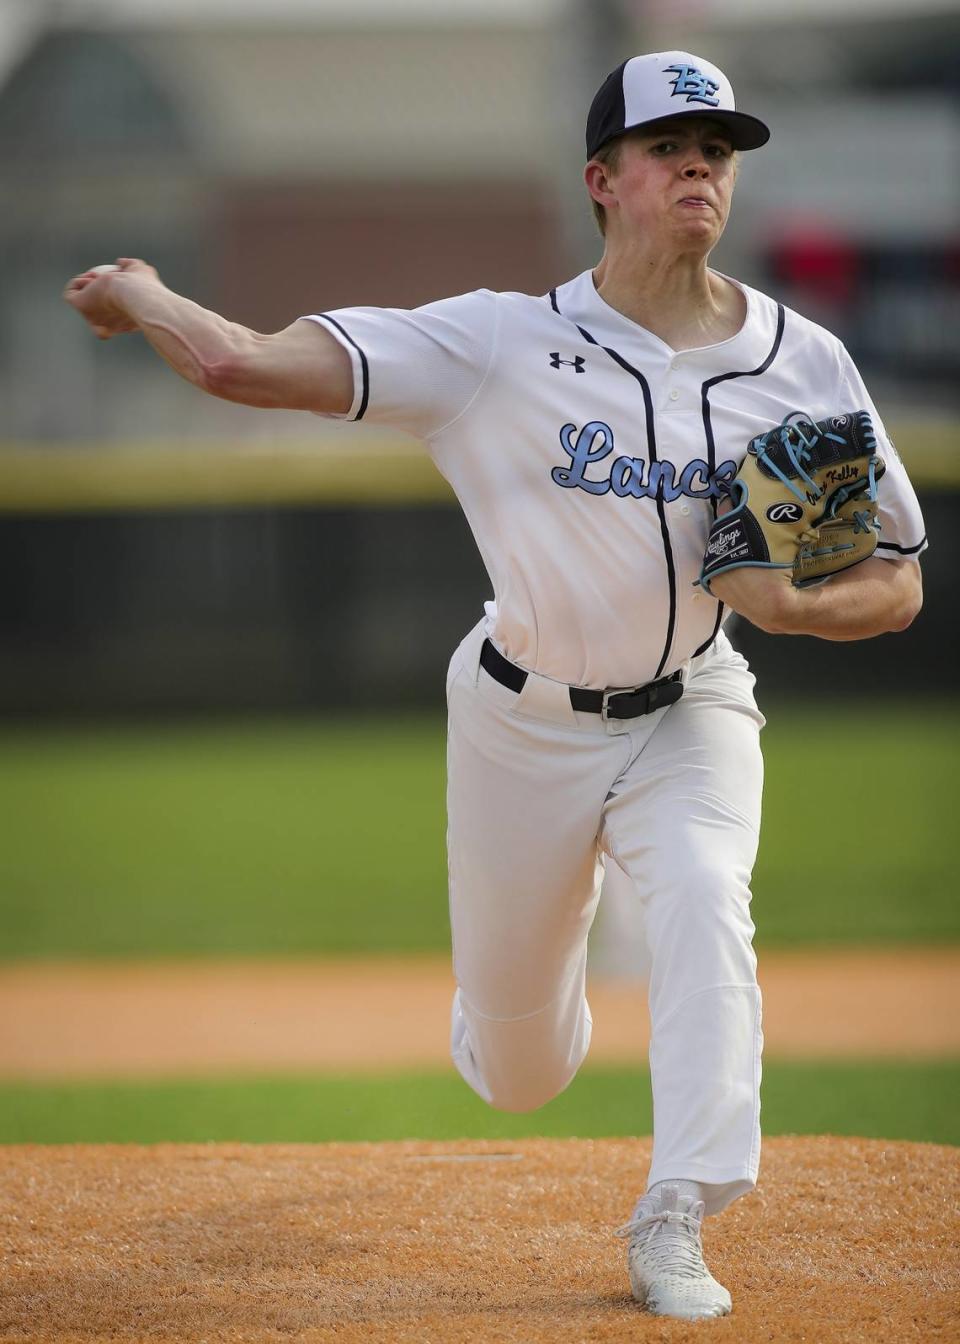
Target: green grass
[(859, 841), (315, 836), (265, 838), (887, 1100)]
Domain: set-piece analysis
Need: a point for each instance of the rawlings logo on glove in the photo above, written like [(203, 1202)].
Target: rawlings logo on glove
[(805, 499)]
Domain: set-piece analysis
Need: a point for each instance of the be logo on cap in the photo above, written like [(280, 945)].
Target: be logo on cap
[(694, 84), (666, 84)]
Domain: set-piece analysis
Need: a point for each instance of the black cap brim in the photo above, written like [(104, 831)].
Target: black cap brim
[(745, 132)]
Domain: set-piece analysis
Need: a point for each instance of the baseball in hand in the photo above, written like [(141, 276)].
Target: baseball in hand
[(102, 270)]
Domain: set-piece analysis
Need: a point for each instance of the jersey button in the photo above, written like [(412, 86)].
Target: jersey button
[(674, 394), (675, 365), (684, 509)]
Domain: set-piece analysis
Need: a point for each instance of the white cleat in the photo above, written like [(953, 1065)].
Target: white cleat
[(665, 1259)]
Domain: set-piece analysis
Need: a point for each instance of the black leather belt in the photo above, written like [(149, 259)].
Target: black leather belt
[(629, 704)]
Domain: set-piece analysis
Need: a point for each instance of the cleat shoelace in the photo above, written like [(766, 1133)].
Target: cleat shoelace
[(676, 1252)]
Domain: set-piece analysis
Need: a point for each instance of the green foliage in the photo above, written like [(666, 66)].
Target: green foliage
[(321, 836), (889, 1100)]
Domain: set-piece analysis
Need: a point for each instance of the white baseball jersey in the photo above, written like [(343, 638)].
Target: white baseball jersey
[(587, 456)]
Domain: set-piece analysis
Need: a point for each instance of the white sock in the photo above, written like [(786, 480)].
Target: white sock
[(693, 1189)]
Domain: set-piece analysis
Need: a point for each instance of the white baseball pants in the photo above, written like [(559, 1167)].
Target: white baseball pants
[(537, 793)]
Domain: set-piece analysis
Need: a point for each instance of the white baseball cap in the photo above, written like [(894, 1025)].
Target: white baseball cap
[(668, 84)]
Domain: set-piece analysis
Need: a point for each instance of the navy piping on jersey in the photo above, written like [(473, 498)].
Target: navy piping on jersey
[(708, 431), (652, 449), (364, 366), (902, 550)]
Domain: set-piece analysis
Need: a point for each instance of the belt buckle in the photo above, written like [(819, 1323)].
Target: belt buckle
[(656, 694), (605, 714)]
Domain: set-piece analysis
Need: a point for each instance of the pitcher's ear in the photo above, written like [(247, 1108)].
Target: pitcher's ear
[(597, 182)]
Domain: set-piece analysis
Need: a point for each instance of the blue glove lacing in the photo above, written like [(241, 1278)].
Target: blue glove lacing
[(798, 454)]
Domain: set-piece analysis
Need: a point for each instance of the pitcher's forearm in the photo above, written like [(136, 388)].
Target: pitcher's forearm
[(874, 598), (302, 368), (195, 342)]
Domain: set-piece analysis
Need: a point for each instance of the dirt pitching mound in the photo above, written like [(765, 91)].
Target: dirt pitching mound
[(846, 1240)]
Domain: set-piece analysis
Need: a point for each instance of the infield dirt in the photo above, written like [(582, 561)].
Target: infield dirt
[(845, 1241), (188, 1018)]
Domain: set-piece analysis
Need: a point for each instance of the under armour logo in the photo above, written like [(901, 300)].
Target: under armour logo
[(695, 85), (577, 363)]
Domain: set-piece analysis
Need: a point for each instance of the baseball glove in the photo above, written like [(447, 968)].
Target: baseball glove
[(805, 499)]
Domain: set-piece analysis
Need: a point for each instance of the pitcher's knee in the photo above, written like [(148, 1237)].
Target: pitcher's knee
[(524, 1094), (519, 1064)]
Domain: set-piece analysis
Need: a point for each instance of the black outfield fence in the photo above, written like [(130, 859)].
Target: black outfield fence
[(280, 609)]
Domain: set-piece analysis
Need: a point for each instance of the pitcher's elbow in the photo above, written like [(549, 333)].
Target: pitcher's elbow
[(911, 598), (230, 377), (908, 612)]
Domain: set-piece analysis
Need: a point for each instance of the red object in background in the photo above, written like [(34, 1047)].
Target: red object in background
[(951, 263), (812, 256)]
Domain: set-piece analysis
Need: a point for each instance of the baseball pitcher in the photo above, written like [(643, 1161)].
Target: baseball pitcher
[(645, 449)]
